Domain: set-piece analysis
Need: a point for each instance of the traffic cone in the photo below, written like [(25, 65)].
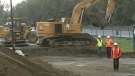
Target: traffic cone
[(26, 54), (117, 32)]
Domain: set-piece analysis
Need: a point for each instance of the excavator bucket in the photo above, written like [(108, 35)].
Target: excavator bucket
[(98, 21)]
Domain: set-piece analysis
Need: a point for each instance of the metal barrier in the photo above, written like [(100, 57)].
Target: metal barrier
[(134, 38), (113, 31)]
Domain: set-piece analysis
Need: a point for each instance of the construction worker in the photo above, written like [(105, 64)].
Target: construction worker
[(99, 45), (116, 53), (109, 43)]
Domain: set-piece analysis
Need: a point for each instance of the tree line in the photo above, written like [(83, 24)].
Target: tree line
[(42, 10)]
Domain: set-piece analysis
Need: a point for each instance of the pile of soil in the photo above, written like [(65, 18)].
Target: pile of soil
[(59, 51), (12, 64)]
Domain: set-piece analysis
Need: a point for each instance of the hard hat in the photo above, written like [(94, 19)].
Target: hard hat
[(108, 36), (115, 43), (99, 36)]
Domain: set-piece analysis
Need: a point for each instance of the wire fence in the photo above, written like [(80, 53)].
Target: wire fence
[(113, 31)]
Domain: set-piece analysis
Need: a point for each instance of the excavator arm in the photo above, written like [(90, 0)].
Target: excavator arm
[(109, 10), (78, 10), (98, 21)]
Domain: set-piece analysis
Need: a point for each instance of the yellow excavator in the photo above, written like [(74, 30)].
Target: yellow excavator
[(67, 31)]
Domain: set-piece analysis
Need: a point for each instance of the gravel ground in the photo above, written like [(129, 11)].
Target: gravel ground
[(92, 66)]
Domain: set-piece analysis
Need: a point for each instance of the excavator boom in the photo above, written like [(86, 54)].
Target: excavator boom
[(110, 9), (78, 10), (97, 21)]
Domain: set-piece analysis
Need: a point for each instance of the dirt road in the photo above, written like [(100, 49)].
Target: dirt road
[(92, 66)]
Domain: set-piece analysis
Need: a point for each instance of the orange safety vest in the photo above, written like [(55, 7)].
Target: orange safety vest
[(116, 53), (108, 42)]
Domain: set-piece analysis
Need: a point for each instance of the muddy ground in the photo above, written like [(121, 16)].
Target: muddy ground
[(73, 61), (91, 66), (84, 62)]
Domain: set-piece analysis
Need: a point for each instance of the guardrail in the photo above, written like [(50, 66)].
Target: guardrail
[(114, 31)]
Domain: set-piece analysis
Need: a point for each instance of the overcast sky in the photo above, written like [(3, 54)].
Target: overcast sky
[(14, 2)]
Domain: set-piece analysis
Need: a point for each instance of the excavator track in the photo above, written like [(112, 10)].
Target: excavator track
[(74, 39), (17, 43), (70, 42)]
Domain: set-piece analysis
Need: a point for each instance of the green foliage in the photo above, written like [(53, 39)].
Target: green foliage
[(124, 12), (133, 18), (3, 15)]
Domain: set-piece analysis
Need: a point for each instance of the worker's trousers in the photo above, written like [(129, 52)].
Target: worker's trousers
[(100, 52), (108, 51), (116, 64)]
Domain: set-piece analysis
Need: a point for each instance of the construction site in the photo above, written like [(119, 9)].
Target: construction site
[(59, 47), (73, 61)]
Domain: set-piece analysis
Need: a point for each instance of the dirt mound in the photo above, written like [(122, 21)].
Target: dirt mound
[(60, 51), (68, 51), (13, 64)]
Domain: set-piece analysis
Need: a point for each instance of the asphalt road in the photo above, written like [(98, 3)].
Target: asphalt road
[(125, 34)]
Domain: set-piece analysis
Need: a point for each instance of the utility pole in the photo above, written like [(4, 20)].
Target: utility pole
[(13, 40)]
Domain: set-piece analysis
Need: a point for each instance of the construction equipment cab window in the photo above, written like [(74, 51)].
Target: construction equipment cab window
[(17, 26)]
